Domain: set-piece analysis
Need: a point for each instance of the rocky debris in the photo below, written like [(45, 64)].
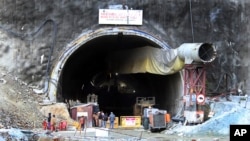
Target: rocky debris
[(12, 134), (60, 110), (19, 106), (236, 111)]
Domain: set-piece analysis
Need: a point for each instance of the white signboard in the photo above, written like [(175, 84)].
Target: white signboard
[(120, 17), (79, 114), (130, 121)]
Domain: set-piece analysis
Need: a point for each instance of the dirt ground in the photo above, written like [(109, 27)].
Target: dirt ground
[(120, 134)]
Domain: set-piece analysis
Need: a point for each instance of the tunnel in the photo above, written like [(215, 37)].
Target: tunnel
[(84, 69)]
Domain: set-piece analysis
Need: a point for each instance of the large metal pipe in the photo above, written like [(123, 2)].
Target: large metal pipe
[(196, 52), (154, 60)]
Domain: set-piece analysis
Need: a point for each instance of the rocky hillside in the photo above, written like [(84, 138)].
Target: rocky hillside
[(22, 108), (18, 104)]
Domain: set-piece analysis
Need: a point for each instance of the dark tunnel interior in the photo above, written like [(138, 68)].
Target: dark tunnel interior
[(86, 72)]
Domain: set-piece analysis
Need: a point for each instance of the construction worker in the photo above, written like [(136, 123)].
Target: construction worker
[(100, 117), (45, 124), (82, 121), (112, 119), (53, 123), (49, 121)]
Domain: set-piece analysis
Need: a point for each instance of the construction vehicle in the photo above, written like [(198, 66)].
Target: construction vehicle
[(141, 103), (153, 119), (156, 119)]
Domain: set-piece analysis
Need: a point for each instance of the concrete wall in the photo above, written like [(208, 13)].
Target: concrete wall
[(33, 32)]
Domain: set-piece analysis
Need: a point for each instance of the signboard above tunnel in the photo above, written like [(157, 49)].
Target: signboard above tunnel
[(120, 17)]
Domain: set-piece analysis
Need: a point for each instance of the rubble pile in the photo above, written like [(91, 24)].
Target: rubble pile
[(19, 106), (12, 134)]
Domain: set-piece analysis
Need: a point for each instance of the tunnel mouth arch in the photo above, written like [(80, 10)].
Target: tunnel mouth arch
[(81, 70)]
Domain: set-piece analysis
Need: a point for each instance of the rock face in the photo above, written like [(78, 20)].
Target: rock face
[(32, 34)]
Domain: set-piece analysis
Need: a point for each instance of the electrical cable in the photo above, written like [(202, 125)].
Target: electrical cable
[(22, 36), (191, 19)]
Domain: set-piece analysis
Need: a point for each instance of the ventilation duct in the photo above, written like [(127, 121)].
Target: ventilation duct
[(154, 60)]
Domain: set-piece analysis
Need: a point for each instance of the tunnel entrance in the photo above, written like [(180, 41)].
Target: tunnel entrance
[(85, 71)]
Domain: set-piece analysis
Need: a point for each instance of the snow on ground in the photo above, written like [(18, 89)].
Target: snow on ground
[(227, 113)]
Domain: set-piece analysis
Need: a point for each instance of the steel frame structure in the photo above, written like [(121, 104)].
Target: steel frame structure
[(195, 81)]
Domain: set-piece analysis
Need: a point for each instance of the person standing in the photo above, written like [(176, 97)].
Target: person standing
[(45, 124), (104, 120), (112, 120), (53, 123), (49, 121), (100, 114), (97, 119), (94, 124), (82, 121)]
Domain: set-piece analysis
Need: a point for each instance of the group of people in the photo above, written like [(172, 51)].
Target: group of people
[(50, 122), (100, 119)]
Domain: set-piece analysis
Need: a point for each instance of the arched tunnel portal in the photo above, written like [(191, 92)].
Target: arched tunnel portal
[(82, 70)]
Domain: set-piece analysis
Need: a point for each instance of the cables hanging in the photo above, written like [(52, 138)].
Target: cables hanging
[(191, 19), (51, 47)]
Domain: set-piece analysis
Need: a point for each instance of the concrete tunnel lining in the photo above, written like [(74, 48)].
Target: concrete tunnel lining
[(167, 89)]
